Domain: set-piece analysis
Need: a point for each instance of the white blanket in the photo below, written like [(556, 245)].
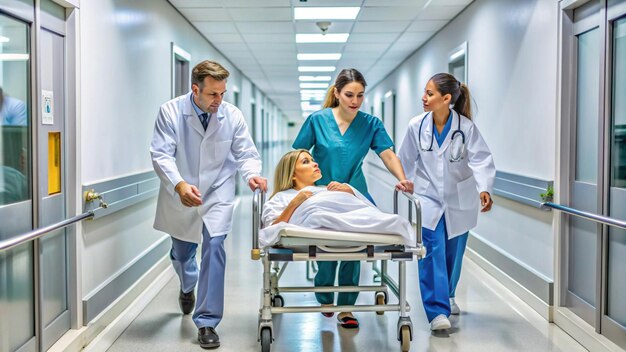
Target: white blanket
[(332, 210)]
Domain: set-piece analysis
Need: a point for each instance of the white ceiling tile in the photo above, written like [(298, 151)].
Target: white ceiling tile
[(372, 38), (263, 47), (414, 37), (269, 38), (440, 12), (223, 38), (369, 48), (400, 13), (254, 3), (232, 47), (379, 26), (452, 2), (324, 3), (205, 14), (215, 27), (426, 25), (195, 3), (261, 14), (265, 27), (408, 3), (336, 26)]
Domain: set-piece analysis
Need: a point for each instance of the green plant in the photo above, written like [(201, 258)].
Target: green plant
[(548, 195)]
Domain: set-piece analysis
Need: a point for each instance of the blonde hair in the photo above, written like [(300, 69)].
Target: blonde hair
[(285, 170)]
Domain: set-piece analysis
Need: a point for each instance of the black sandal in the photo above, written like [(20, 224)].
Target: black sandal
[(349, 322)]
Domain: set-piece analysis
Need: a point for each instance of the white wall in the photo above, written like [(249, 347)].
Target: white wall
[(512, 52), (125, 75)]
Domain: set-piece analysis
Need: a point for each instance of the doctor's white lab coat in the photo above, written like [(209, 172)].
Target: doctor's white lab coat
[(444, 186), (182, 151)]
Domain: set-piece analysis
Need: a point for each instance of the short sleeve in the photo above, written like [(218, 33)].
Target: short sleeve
[(381, 140), (306, 136)]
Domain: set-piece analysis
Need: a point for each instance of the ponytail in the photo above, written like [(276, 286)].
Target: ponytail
[(463, 104), (330, 101)]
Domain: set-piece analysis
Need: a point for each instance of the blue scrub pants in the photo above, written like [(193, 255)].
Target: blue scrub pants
[(349, 273), (210, 297), (440, 270)]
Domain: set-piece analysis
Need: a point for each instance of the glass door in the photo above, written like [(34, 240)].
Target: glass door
[(16, 206)]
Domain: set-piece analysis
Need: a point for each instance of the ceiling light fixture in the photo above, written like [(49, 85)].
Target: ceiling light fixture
[(320, 57), (313, 85), (325, 13), (316, 68), (322, 38), (4, 39), (314, 78)]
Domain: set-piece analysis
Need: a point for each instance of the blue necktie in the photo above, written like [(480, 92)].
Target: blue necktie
[(204, 118)]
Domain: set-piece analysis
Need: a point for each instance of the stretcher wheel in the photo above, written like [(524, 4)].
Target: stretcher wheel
[(278, 301), (405, 338), (381, 298), (266, 339)]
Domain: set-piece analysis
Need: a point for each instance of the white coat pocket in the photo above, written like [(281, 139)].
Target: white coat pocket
[(420, 185), (468, 195)]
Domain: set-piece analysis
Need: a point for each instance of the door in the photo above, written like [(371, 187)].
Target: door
[(17, 298), (594, 264)]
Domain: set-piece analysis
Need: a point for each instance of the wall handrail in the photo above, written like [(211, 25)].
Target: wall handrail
[(590, 216), (34, 234)]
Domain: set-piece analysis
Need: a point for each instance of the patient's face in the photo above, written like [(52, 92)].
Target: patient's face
[(306, 172)]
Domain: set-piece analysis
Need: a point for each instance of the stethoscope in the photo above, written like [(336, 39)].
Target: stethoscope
[(458, 131)]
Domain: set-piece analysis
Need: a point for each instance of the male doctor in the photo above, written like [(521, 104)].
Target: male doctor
[(199, 143)]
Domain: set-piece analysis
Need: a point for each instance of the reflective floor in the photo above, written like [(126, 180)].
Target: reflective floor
[(492, 319)]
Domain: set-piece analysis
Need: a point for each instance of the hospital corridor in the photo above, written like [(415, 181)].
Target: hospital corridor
[(312, 175)]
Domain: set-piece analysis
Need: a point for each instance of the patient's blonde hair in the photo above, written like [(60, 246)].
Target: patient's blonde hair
[(285, 169)]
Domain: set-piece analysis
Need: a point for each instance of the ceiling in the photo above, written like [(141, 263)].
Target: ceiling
[(259, 38)]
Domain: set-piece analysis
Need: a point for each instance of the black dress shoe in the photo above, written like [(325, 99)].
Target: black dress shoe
[(186, 301), (208, 338)]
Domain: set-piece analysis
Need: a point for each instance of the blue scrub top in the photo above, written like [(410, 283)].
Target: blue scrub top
[(340, 158), (446, 128)]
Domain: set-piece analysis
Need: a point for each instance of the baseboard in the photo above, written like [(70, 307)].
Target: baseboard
[(536, 303), (583, 332), (104, 329)]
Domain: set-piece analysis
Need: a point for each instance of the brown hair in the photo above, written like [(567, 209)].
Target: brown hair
[(347, 75), (448, 84), (285, 169), (208, 68)]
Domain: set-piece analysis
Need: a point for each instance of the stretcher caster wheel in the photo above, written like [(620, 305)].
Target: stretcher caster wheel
[(381, 298), (405, 338), (278, 301), (266, 339)]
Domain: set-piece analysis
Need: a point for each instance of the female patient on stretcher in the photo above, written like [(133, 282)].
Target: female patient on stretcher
[(297, 203)]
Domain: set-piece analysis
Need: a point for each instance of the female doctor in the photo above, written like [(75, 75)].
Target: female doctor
[(453, 171)]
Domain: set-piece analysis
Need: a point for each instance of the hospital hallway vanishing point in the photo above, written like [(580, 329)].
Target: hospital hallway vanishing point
[(492, 318)]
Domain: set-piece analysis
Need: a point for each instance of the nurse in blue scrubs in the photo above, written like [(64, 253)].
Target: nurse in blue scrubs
[(341, 136)]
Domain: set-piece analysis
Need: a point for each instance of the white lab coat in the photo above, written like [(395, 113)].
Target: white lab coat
[(444, 186), (182, 151)]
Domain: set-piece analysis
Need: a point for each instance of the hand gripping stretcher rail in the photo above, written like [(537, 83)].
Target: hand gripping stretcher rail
[(325, 245)]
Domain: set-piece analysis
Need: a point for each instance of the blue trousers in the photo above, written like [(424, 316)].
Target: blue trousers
[(210, 279), (349, 273), (440, 270)]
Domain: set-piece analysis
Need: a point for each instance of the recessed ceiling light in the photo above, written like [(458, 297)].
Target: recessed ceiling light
[(325, 13), (322, 38), (313, 85), (4, 39), (319, 56), (316, 68), (314, 78), (15, 57)]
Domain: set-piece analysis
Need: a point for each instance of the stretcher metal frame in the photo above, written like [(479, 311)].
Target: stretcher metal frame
[(273, 303)]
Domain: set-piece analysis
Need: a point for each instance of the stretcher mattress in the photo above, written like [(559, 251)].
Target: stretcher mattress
[(315, 237)]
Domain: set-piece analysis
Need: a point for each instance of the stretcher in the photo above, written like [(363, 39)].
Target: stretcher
[(324, 245)]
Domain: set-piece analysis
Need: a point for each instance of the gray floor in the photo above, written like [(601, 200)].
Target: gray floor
[(492, 319)]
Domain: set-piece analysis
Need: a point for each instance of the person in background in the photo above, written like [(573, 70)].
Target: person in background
[(452, 178), (199, 143), (341, 136)]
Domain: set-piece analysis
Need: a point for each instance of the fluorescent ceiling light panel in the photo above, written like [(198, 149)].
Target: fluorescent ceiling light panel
[(4, 39), (322, 38), (314, 78), (316, 68), (313, 85), (325, 13), (307, 106), (319, 57), (313, 91)]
